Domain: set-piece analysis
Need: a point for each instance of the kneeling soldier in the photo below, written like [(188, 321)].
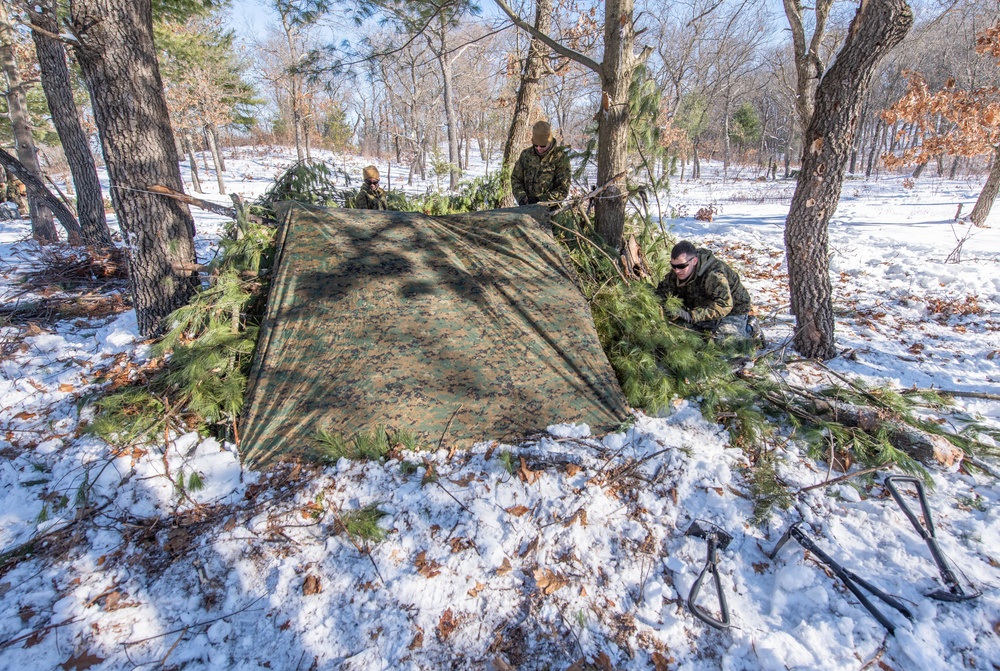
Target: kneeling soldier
[(371, 197)]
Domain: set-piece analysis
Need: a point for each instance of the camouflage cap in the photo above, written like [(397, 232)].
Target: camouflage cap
[(541, 134), (370, 173)]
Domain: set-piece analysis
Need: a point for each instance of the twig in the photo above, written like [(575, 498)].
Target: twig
[(186, 627), (10, 642), (179, 639), (596, 246), (846, 476), (573, 202), (448, 426), (953, 392)]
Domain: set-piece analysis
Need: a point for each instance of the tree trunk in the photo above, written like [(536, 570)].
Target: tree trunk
[(444, 60), (221, 161), (612, 135), (527, 96), (989, 193), (876, 144), (192, 162), (919, 170), (878, 26), (216, 158), (43, 228), (118, 59), (76, 146)]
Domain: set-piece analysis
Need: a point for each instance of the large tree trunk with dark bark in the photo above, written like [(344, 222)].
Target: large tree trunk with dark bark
[(59, 94), (527, 96), (118, 60), (989, 193), (878, 26), (43, 228), (612, 136)]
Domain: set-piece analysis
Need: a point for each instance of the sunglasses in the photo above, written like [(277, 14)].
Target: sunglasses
[(680, 266), (371, 181)]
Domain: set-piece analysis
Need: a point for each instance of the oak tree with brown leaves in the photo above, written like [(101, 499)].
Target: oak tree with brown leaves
[(954, 121)]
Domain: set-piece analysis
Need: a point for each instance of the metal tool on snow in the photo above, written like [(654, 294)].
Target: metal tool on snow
[(717, 539), (954, 591), (850, 579)]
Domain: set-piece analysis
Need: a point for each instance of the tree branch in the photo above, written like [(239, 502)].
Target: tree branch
[(588, 63), (40, 194)]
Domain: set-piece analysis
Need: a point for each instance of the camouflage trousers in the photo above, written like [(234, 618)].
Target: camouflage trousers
[(728, 326)]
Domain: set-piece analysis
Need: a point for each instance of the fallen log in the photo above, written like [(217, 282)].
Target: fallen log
[(924, 447)]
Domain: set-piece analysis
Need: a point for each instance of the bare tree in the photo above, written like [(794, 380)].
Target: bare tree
[(878, 26)]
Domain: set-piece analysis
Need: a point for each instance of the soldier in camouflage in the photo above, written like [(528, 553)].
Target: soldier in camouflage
[(714, 298), (542, 172), (371, 196)]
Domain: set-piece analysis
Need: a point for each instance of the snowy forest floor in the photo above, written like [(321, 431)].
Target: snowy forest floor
[(574, 558)]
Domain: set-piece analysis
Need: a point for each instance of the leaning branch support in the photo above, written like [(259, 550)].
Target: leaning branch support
[(208, 205), (41, 194)]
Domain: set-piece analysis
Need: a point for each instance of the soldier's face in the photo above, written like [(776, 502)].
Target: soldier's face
[(540, 150), (684, 266)]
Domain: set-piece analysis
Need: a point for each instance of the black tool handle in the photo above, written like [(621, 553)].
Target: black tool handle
[(698, 611)]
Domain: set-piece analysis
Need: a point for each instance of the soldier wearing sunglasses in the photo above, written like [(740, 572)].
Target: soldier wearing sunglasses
[(371, 196), (713, 296)]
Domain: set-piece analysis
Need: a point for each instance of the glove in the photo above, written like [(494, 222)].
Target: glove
[(684, 315)]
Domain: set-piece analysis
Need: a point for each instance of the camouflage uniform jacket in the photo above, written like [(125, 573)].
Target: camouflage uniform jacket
[(371, 199), (541, 178), (713, 292)]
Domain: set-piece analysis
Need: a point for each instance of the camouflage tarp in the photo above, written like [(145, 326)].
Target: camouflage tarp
[(456, 328)]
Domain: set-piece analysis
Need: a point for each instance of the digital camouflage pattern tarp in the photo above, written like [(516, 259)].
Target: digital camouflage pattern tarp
[(456, 328)]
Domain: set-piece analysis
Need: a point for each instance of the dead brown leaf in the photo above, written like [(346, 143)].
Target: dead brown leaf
[(531, 547), (500, 665), (25, 415), (311, 585), (474, 592), (464, 481), (518, 510), (38, 385), (418, 640), (461, 543), (82, 661), (426, 567), (446, 625), (603, 662), (579, 516), (548, 581), (68, 388), (572, 469), (505, 567), (526, 474), (660, 662)]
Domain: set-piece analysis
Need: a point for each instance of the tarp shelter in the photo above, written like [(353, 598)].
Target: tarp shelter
[(457, 328)]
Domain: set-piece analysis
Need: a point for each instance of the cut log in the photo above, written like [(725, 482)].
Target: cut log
[(925, 447)]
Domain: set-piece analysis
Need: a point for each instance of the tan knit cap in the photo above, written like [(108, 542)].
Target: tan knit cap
[(370, 173), (541, 134)]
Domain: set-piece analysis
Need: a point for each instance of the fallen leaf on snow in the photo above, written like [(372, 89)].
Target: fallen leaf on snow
[(526, 474), (25, 415), (66, 387), (84, 660), (477, 589), (426, 567), (418, 640), (572, 469), (548, 581), (505, 567), (446, 625), (311, 585), (660, 662), (518, 511), (579, 516)]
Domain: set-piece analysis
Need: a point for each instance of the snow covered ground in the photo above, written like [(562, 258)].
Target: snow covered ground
[(574, 558)]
